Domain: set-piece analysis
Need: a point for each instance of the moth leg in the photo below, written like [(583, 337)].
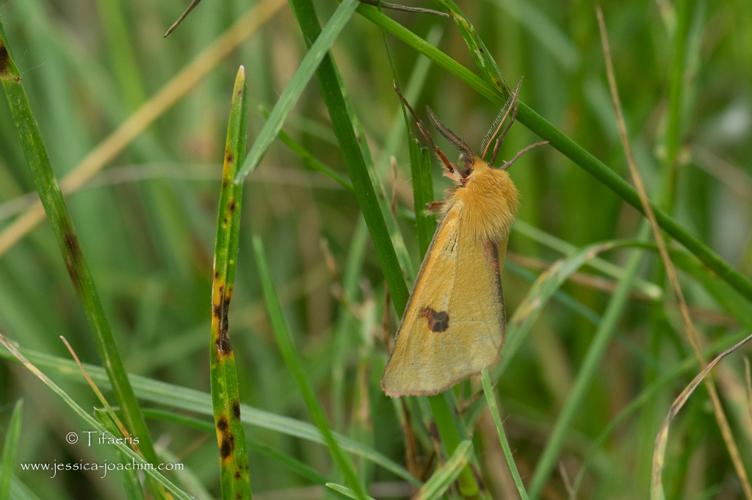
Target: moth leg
[(435, 207), (456, 176)]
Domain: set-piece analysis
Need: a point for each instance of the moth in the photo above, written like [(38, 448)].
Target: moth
[(453, 325)]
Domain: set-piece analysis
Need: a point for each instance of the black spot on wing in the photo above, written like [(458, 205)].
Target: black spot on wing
[(438, 321)]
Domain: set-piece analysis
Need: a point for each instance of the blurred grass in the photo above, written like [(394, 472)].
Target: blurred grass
[(48, 189), (149, 239)]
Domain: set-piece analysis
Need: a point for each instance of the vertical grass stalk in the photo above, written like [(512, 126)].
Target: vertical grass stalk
[(54, 205), (493, 408), (10, 449), (604, 334), (339, 112), (295, 366), (235, 476)]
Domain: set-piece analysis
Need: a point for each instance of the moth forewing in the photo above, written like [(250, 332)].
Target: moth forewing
[(453, 324)]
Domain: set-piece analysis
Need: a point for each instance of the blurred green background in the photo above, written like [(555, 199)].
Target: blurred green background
[(146, 222)]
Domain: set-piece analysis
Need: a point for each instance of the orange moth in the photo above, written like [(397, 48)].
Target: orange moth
[(453, 325)]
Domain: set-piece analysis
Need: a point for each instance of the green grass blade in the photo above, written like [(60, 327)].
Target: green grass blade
[(117, 443), (62, 225), (295, 366), (560, 296), (669, 375), (353, 154), (233, 459), (579, 155), (648, 288), (441, 409), (543, 289), (493, 408), (478, 50), (445, 475), (416, 82), (295, 87), (301, 469), (674, 123), (10, 449), (187, 399), (129, 479), (540, 27), (121, 49), (420, 168), (347, 322), (343, 490), (312, 162), (309, 160), (603, 335), (187, 477), (199, 402), (19, 490), (726, 297)]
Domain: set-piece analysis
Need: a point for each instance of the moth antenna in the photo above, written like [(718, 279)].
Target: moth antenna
[(451, 136), (497, 145), (521, 152), (448, 165), (501, 124)]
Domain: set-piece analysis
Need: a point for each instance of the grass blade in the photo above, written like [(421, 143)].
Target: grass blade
[(301, 469), (656, 487), (129, 480), (175, 89), (199, 402), (343, 490), (353, 154), (313, 163), (152, 472), (295, 366), (62, 225), (488, 393), (445, 475), (478, 50), (10, 449), (603, 335), (686, 366), (234, 470), (295, 87), (539, 294), (420, 168), (648, 288), (693, 336)]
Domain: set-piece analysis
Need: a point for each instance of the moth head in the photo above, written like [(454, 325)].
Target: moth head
[(467, 162)]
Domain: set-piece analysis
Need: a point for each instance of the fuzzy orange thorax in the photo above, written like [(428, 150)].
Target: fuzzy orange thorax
[(489, 201)]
